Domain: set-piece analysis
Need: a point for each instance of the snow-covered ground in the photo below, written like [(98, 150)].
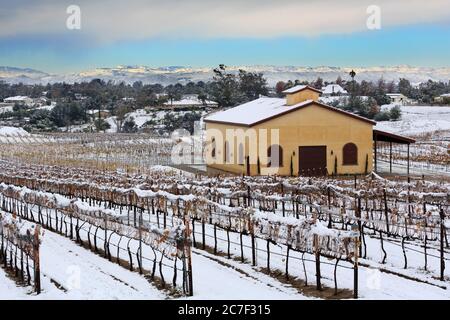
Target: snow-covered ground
[(70, 271), (140, 117), (417, 120), (10, 290), (13, 131), (79, 274)]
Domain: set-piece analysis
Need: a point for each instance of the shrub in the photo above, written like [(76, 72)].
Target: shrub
[(382, 116), (395, 113)]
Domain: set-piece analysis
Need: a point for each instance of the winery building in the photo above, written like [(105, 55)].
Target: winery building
[(295, 135)]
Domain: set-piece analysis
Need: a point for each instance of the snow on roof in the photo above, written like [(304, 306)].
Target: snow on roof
[(300, 88), (333, 88), (394, 94), (16, 98), (189, 102), (254, 111), (262, 109), (6, 108), (96, 111), (445, 95)]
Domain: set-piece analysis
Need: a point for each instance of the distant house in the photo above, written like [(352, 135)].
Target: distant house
[(340, 101), (22, 100), (6, 107), (79, 96), (190, 102), (443, 98), (333, 90), (41, 101), (399, 99), (98, 113)]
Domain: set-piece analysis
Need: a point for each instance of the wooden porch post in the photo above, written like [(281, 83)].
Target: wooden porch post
[(376, 167), (390, 156)]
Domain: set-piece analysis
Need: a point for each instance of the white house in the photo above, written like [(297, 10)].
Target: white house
[(399, 99), (98, 113), (333, 90), (22, 100), (79, 96), (442, 98), (191, 102)]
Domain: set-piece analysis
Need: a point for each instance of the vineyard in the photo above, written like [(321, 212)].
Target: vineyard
[(321, 237), (125, 152)]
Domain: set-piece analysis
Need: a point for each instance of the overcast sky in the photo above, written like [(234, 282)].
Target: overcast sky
[(33, 33)]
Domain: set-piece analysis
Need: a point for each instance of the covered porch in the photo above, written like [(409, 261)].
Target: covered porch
[(390, 138)]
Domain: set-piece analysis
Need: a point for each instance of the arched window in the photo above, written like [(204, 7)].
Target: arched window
[(350, 154), (275, 156), (213, 147), (241, 154), (226, 152)]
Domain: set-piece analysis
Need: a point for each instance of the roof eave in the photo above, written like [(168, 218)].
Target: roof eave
[(292, 110), (301, 89)]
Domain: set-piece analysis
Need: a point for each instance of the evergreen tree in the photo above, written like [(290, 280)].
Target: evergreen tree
[(404, 87), (395, 113), (129, 126), (101, 125)]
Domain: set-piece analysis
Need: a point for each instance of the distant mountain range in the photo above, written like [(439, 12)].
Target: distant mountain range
[(179, 74)]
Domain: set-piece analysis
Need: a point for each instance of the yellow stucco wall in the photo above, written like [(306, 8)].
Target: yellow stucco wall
[(310, 126), (303, 95)]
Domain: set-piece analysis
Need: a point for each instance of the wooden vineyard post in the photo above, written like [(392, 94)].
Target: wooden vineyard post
[(105, 246), (140, 243), (359, 224), (442, 267), (188, 254), (386, 210), (330, 223), (355, 270), (317, 254), (37, 267), (203, 235), (252, 233)]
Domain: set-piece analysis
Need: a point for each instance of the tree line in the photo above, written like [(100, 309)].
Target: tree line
[(228, 89)]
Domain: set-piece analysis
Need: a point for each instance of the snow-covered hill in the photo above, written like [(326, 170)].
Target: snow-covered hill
[(24, 75), (175, 74)]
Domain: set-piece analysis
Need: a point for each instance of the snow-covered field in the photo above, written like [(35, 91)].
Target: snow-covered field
[(430, 126), (417, 120), (13, 132), (69, 271)]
